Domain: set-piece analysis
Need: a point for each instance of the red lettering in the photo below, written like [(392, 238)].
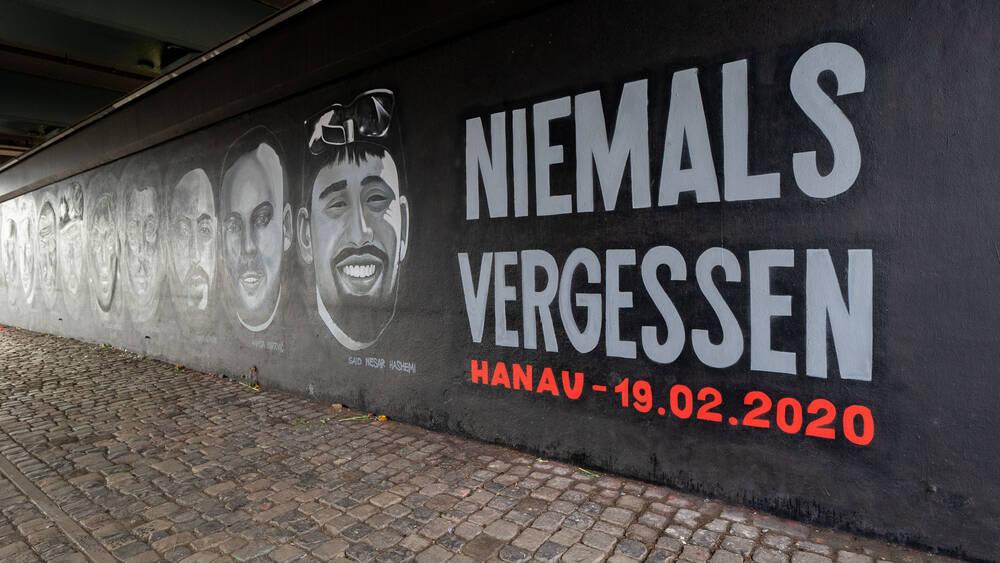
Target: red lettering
[(548, 383), (522, 377), (480, 372), (572, 391), (500, 375)]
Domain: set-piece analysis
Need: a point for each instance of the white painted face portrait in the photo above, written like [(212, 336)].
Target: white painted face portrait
[(69, 244), (103, 250), (47, 257), (256, 232), (143, 263), (3, 260), (8, 249), (192, 241), (25, 247)]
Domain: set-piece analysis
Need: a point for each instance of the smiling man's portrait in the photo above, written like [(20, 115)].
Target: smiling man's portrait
[(192, 241), (354, 226), (256, 223)]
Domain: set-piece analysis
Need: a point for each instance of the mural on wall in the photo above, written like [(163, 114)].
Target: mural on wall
[(256, 228), (354, 227), (192, 246), (70, 247), (124, 241), (141, 247), (46, 245), (8, 245), (25, 247), (103, 244), (8, 239)]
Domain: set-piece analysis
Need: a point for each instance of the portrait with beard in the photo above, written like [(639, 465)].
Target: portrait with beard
[(69, 245), (46, 245), (8, 249), (192, 245), (103, 242), (142, 245), (25, 247), (256, 228), (354, 225)]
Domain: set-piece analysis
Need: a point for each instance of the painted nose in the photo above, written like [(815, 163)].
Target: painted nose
[(193, 249), (358, 230), (249, 242)]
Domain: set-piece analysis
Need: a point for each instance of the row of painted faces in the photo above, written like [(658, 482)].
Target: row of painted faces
[(106, 240)]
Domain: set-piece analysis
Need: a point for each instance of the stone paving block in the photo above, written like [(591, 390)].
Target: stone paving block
[(482, 547), (582, 554), (502, 529), (809, 557), (145, 557), (287, 553), (777, 541), (742, 546), (695, 553), (723, 556), (850, 557), (434, 554), (468, 530), (548, 521), (549, 551), (705, 538), (767, 555), (814, 547), (385, 499), (328, 550), (631, 548), (170, 542), (619, 516), (415, 543), (204, 557), (599, 540), (360, 552)]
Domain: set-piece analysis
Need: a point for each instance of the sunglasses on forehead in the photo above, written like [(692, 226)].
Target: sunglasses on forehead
[(367, 117)]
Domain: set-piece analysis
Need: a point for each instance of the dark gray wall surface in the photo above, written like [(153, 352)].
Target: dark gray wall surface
[(212, 276)]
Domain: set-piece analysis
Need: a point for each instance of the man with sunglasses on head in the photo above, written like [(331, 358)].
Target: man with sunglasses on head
[(354, 225)]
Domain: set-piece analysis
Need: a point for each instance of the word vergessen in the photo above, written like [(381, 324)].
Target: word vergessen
[(497, 167)]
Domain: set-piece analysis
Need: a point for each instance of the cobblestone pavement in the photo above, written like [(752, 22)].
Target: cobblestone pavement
[(156, 462)]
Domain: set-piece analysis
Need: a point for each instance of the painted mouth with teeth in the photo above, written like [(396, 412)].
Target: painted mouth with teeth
[(359, 272), (251, 280)]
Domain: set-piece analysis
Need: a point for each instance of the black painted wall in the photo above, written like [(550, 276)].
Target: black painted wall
[(888, 254)]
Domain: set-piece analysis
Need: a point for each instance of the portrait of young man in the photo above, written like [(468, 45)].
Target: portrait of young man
[(8, 242), (354, 225), (103, 242), (70, 246), (47, 258), (192, 244), (25, 245), (143, 270), (256, 225)]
